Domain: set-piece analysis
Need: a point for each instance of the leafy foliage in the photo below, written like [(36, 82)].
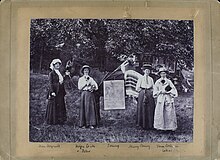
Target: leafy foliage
[(103, 43)]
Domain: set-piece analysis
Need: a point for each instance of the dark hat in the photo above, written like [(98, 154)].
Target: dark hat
[(83, 67), (162, 69), (146, 66)]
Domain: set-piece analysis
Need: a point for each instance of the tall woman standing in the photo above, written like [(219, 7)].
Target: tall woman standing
[(56, 110), (146, 104), (165, 92), (88, 115)]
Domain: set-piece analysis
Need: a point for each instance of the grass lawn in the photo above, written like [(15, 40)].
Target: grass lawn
[(115, 125)]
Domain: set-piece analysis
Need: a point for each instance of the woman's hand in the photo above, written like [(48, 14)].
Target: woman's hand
[(163, 92), (168, 92), (172, 95), (88, 85), (53, 94), (92, 88), (67, 73)]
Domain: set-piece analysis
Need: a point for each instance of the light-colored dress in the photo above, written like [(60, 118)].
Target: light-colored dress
[(88, 114), (146, 103), (165, 114)]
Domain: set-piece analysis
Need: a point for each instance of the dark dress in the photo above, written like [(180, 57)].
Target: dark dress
[(88, 113), (145, 109), (56, 110)]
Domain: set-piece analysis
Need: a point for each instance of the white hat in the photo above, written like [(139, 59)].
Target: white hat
[(162, 69), (54, 61), (83, 67)]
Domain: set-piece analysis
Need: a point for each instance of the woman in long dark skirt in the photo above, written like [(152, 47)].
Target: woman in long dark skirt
[(56, 110), (88, 116), (146, 103)]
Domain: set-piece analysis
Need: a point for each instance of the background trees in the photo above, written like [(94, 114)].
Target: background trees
[(103, 43)]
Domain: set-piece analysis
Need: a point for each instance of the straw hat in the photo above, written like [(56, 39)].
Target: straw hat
[(83, 67), (146, 66), (163, 69)]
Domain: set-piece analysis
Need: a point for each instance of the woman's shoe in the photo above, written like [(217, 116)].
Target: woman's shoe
[(91, 127)]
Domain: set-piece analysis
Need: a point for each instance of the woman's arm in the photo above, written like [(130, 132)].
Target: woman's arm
[(81, 84), (125, 63), (173, 91), (151, 83), (156, 90), (51, 85), (138, 85), (94, 84)]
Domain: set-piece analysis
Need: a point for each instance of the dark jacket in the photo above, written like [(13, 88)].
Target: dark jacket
[(54, 85)]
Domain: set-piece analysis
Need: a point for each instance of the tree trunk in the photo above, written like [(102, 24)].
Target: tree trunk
[(40, 61), (175, 65)]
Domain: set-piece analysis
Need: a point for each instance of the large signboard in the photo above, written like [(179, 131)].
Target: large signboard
[(114, 95)]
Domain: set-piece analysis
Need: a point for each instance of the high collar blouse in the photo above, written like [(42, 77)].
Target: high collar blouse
[(159, 86), (145, 82), (85, 82)]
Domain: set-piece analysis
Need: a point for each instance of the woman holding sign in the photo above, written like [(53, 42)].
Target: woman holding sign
[(88, 115), (165, 92), (146, 104)]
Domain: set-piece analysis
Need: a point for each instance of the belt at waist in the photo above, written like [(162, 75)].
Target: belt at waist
[(147, 88), (86, 91)]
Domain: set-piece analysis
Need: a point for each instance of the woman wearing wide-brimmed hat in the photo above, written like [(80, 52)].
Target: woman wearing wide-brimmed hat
[(165, 92), (146, 103), (56, 110), (88, 115)]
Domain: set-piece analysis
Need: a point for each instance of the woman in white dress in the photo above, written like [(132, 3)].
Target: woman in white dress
[(165, 92)]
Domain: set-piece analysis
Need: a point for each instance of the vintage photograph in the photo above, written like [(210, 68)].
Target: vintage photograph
[(111, 80)]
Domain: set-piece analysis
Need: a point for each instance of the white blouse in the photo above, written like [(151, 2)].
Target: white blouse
[(59, 75), (85, 83), (144, 82), (159, 87)]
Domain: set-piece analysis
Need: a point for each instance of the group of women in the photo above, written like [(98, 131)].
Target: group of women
[(56, 109), (160, 115), (155, 108)]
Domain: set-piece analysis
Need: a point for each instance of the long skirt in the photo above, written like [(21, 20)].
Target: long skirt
[(88, 114), (165, 114), (56, 110), (145, 109)]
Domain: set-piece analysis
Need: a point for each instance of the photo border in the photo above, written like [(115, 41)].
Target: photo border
[(18, 61)]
